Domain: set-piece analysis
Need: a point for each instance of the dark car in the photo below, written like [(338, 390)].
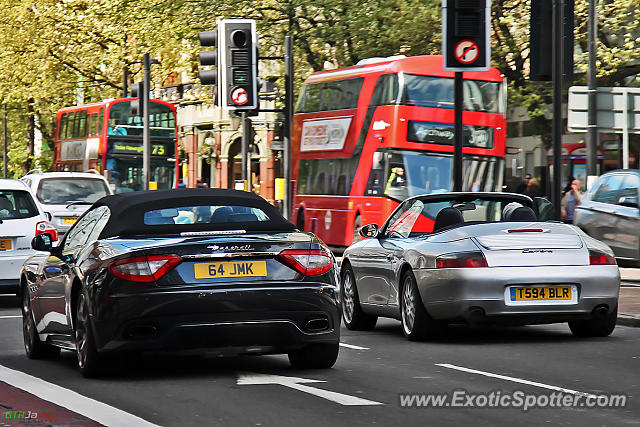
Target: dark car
[(182, 270), (609, 212)]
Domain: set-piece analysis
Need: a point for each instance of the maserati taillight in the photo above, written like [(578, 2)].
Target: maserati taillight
[(461, 260), (309, 262), (47, 227), (600, 258), (144, 268)]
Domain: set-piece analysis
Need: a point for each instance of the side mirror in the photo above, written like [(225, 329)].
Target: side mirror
[(42, 242), (370, 231), (629, 201), (48, 216)]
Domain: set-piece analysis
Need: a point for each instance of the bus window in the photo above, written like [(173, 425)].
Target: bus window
[(71, 122), (100, 122), (63, 126), (385, 91), (82, 124)]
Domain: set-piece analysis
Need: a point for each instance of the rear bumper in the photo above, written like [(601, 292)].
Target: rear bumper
[(9, 286), (249, 320), (477, 295), (10, 267)]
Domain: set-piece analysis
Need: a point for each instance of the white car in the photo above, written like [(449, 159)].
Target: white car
[(66, 195), (21, 219)]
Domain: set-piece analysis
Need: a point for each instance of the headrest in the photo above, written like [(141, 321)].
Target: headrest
[(447, 217)]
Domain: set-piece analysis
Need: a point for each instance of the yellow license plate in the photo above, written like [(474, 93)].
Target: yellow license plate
[(5, 245), (219, 270), (541, 293), (70, 220)]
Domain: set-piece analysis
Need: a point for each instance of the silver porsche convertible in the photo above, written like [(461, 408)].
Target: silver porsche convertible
[(478, 258)]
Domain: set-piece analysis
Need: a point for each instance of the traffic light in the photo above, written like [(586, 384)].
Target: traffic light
[(541, 40), (465, 35), (238, 64), (209, 57), (137, 105)]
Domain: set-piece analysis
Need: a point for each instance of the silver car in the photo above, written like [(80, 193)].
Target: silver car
[(477, 258), (66, 195), (610, 212)]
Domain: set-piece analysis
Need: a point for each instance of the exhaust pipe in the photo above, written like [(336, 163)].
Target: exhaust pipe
[(317, 325), (142, 331), (601, 311), (475, 315)]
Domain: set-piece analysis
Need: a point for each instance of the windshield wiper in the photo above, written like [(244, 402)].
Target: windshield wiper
[(79, 203)]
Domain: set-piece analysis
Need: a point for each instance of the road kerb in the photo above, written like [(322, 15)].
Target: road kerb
[(629, 320)]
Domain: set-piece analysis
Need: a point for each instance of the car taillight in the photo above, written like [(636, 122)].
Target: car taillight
[(309, 262), (47, 227), (600, 258), (144, 268), (461, 260)]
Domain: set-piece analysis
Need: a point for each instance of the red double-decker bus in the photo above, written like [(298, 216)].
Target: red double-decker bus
[(366, 137), (107, 138)]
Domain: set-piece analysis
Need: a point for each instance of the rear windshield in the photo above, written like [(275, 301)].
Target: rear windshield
[(205, 214), (16, 204), (59, 191)]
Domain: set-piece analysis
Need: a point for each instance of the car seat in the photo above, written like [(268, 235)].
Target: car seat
[(446, 218)]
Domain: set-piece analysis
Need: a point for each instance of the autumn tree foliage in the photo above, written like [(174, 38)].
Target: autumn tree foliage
[(55, 53)]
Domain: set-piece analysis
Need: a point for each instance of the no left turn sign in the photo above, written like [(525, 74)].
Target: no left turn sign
[(466, 51), (239, 96)]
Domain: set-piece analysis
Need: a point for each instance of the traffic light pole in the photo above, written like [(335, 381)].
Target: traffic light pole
[(146, 132), (558, 66), (246, 150), (592, 83), (288, 117), (458, 131)]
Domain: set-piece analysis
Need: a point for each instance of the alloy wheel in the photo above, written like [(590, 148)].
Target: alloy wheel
[(408, 306), (27, 322), (81, 332), (348, 298)]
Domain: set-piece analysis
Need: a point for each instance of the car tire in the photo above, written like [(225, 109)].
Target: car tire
[(90, 361), (596, 327), (315, 356), (354, 318), (33, 347), (357, 224), (417, 324)]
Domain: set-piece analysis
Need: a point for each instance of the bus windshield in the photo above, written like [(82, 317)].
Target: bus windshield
[(437, 92), (161, 120), (399, 174), (126, 173)]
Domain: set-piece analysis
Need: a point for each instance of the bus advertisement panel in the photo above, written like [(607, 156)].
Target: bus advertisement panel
[(366, 137), (107, 138)]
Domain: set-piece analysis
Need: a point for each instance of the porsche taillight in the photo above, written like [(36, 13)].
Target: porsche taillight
[(461, 260), (309, 262), (47, 227), (144, 268), (600, 258)]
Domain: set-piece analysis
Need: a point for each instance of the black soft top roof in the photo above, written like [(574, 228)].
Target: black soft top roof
[(127, 211)]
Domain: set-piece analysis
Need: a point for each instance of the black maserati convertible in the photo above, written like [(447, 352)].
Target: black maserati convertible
[(186, 270)]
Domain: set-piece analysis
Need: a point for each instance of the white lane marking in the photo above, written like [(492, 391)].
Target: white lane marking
[(10, 317), (75, 402), (518, 380), (296, 384), (354, 347)]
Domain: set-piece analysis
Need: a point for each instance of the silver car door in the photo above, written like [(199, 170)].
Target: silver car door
[(604, 223), (628, 217)]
